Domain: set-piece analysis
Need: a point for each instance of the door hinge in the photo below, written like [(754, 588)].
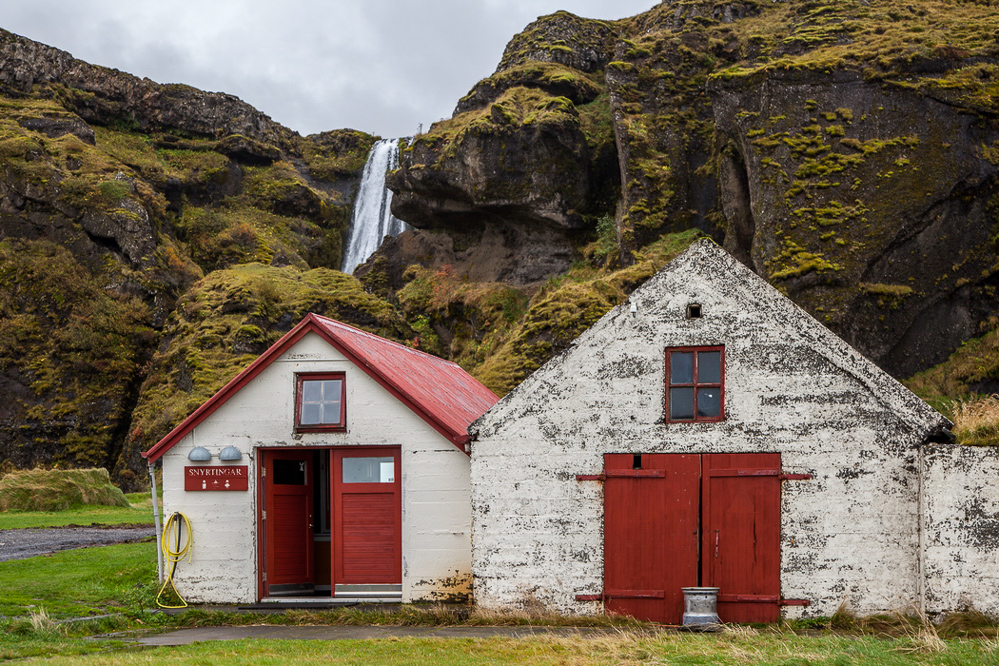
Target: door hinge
[(263, 514), (590, 477), (264, 577), (263, 472), (795, 477)]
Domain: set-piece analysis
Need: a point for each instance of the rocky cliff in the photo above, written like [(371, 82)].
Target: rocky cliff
[(118, 196), (154, 239), (843, 150)]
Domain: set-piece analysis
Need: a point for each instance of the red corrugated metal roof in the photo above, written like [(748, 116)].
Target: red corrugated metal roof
[(439, 391)]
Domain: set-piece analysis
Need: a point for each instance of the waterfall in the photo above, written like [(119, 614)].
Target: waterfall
[(372, 219)]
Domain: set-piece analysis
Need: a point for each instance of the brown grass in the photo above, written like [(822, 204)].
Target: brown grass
[(976, 420)]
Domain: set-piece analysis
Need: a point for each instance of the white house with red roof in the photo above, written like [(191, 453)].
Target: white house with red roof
[(334, 466)]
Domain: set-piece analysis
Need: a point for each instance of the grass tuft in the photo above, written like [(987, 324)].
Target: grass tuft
[(57, 490), (976, 420)]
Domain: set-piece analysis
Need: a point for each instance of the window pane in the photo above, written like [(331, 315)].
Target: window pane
[(709, 367), (369, 470), (708, 402), (681, 403), (681, 368), (311, 390), (331, 390), (310, 414), (331, 413), (289, 472)]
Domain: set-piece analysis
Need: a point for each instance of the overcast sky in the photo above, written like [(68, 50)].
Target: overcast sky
[(381, 66)]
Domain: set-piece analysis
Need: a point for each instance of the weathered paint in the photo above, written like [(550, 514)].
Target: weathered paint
[(961, 528), (436, 519), (791, 387)]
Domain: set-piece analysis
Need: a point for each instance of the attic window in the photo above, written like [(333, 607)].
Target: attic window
[(695, 388), (320, 403), (694, 311)]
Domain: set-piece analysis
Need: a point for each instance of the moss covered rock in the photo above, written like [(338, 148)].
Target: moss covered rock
[(225, 321)]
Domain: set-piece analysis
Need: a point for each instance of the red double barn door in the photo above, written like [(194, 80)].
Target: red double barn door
[(688, 520)]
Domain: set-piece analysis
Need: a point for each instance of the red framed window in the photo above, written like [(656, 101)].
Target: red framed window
[(695, 379), (320, 402)]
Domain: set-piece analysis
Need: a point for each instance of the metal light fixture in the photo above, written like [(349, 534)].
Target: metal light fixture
[(230, 454), (199, 454)]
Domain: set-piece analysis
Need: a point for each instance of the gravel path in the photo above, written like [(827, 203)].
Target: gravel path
[(30, 542)]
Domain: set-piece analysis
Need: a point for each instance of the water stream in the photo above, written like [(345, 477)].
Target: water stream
[(372, 220)]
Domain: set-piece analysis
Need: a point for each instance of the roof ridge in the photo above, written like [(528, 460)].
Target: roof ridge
[(333, 323)]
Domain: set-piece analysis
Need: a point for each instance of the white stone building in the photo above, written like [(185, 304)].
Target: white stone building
[(709, 432), (334, 466)]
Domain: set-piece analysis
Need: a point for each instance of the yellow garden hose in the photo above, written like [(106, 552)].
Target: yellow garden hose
[(175, 554)]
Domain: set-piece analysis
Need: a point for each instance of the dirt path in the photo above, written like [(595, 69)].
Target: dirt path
[(30, 542)]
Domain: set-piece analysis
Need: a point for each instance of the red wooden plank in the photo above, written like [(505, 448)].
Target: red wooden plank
[(650, 532), (367, 523), (634, 594), (288, 535), (636, 474), (749, 598), (741, 540)]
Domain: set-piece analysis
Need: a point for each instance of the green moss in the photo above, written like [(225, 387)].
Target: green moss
[(337, 154), (566, 307), (73, 343), (227, 319), (974, 364), (795, 261)]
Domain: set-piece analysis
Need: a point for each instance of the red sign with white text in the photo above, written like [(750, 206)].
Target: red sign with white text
[(216, 477)]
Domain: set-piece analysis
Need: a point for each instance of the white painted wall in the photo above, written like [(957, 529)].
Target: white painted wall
[(791, 387), (436, 518), (961, 522)]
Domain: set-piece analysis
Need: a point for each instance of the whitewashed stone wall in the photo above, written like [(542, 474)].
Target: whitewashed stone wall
[(436, 516), (791, 387), (961, 528)]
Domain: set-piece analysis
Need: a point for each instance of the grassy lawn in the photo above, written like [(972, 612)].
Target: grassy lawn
[(114, 586), (141, 511), (80, 583), (738, 647)]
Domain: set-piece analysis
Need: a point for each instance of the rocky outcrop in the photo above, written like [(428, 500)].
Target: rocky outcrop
[(844, 151), (117, 194), (105, 96), (869, 205)]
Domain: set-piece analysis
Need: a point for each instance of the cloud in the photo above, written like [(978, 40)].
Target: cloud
[(382, 66)]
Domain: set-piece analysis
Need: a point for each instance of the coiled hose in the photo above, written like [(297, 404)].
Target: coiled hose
[(174, 554)]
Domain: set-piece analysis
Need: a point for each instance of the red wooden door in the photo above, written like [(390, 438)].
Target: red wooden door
[(658, 508), (650, 533), (741, 542), (367, 516), (288, 528)]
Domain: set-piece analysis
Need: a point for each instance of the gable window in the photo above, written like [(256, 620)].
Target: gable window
[(695, 383), (319, 402)]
